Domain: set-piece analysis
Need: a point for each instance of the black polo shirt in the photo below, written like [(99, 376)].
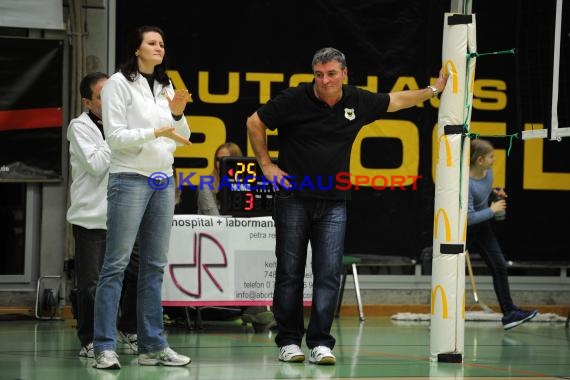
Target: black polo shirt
[(315, 140)]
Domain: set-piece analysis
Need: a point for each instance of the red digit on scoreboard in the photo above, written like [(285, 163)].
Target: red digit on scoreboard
[(249, 201)]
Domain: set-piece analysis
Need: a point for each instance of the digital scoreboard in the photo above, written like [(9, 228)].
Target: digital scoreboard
[(244, 191)]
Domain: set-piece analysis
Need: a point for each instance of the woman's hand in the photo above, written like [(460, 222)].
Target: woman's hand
[(170, 132), (178, 102)]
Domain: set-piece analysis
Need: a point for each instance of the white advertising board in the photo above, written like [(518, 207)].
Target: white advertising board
[(223, 261)]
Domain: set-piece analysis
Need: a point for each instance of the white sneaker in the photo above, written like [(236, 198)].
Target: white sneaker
[(322, 355), (87, 351), (167, 357), (129, 340), (291, 353), (107, 359)]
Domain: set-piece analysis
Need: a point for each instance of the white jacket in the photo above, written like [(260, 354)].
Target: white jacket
[(130, 115), (90, 157)]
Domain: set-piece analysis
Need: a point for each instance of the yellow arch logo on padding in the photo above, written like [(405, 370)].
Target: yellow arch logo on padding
[(453, 75), (441, 211), (448, 161), (444, 314)]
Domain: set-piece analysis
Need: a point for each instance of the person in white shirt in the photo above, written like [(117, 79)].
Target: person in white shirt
[(143, 120), (90, 158)]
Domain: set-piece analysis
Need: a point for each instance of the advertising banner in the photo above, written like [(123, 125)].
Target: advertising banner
[(232, 65), (223, 261)]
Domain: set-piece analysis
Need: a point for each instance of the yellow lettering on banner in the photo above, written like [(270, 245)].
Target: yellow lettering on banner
[(214, 130), (446, 224), (204, 94), (297, 79), (402, 130), (177, 81), (534, 176), (489, 95), (444, 313), (265, 80), (484, 129)]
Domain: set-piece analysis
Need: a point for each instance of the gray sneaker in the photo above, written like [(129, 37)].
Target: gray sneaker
[(129, 340), (107, 359), (87, 351), (166, 357)]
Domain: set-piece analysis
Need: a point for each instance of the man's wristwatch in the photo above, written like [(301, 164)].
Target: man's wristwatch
[(434, 90)]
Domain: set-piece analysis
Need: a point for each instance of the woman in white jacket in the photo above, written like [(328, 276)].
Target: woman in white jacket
[(143, 120)]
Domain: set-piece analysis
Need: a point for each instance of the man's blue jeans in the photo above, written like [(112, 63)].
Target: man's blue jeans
[(323, 223), (134, 208)]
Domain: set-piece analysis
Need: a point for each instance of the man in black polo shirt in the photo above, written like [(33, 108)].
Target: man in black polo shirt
[(317, 125)]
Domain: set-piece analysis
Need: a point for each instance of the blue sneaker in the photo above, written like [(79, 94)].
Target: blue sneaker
[(517, 317)]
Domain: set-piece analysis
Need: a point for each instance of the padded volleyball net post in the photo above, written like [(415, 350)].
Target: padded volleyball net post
[(451, 191)]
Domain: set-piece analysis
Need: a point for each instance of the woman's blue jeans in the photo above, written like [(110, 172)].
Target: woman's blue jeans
[(299, 221), (134, 208)]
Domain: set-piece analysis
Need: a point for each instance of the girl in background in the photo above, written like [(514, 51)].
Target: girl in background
[(485, 203), (208, 201)]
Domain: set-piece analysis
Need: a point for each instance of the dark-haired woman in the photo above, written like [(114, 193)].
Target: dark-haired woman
[(143, 120)]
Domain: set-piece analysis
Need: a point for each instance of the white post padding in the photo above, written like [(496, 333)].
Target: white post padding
[(451, 191)]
